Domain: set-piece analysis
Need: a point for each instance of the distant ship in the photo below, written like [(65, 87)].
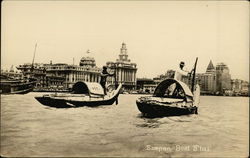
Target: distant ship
[(9, 84), (16, 86)]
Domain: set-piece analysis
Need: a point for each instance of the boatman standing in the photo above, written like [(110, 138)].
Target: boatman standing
[(104, 76), (181, 74)]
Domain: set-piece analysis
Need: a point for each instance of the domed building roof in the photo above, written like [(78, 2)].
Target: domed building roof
[(87, 61)]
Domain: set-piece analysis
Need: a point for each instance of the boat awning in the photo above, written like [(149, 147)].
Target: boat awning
[(163, 87), (88, 88)]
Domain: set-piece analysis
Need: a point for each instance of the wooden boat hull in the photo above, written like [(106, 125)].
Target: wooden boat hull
[(62, 103), (69, 103), (23, 91), (161, 110)]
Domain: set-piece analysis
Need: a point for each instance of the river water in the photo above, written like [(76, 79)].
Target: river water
[(29, 129)]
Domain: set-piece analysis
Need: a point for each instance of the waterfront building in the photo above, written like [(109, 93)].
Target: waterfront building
[(170, 74), (66, 75), (145, 85), (157, 80), (223, 81), (216, 80), (125, 70), (240, 87), (236, 85), (201, 81), (245, 88), (160, 78), (209, 79), (63, 75)]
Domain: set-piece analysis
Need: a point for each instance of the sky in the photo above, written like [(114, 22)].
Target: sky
[(158, 34)]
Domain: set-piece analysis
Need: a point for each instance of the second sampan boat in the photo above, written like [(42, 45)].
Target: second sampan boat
[(171, 98), (83, 94)]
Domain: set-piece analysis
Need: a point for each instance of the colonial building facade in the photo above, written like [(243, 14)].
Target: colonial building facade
[(63, 75), (223, 78), (240, 87), (125, 70), (208, 80), (85, 71), (145, 85), (216, 80)]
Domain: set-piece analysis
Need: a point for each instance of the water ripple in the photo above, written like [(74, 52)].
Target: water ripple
[(31, 129)]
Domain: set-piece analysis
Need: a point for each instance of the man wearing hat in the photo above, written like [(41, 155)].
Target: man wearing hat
[(104, 76), (181, 72)]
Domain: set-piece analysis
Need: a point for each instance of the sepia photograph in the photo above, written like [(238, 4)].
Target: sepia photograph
[(124, 78)]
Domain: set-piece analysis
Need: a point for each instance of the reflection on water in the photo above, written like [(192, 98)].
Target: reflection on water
[(31, 129), (149, 123), (155, 122)]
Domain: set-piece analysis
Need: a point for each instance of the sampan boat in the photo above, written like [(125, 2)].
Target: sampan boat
[(171, 98), (83, 94)]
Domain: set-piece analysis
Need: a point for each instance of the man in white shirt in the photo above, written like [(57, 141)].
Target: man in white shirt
[(181, 73)]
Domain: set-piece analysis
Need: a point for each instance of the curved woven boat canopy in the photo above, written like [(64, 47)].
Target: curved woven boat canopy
[(88, 88), (164, 85)]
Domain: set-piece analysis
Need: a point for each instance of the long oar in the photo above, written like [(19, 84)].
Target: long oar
[(116, 86), (195, 92), (193, 79)]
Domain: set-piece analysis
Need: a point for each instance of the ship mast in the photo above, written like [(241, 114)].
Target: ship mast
[(32, 65)]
